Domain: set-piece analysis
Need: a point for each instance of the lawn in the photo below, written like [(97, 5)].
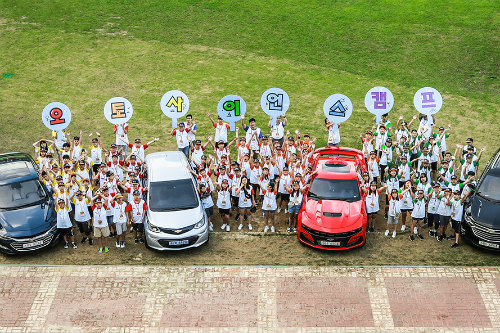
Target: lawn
[(83, 53)]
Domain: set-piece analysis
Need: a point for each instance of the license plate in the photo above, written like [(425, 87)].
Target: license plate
[(495, 246), (28, 245), (329, 243), (179, 242)]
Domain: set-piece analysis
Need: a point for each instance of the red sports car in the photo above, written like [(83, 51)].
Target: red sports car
[(333, 213)]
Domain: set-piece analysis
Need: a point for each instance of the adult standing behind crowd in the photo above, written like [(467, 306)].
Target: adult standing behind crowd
[(221, 129), (278, 130), (253, 136), (121, 132)]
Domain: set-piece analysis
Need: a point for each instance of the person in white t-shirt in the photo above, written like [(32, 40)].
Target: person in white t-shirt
[(121, 132), (246, 200), (190, 123), (99, 221), (333, 133), (82, 215), (224, 203), (137, 209), (64, 225), (278, 130), (120, 218), (221, 129), (181, 136), (207, 202), (269, 205)]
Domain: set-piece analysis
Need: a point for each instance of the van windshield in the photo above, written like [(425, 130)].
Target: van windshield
[(172, 195), (19, 194)]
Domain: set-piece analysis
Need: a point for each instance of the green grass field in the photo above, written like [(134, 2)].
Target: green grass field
[(83, 53)]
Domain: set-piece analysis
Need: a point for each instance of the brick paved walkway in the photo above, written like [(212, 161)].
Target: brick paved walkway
[(249, 299)]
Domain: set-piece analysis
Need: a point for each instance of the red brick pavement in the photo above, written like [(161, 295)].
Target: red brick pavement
[(98, 302), (16, 298), (222, 302), (323, 302), (436, 302)]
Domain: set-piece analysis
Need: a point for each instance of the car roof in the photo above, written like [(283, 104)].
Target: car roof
[(15, 167), (167, 165), (336, 168)]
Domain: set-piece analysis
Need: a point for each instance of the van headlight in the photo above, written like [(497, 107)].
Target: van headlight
[(200, 224), (153, 228)]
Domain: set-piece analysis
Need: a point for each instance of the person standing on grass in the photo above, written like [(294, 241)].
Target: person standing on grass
[(64, 226), (207, 203), (457, 209), (181, 135), (100, 223), (392, 183), (246, 201), (285, 180), (221, 129), (121, 133), (418, 215), (432, 210), (372, 163), (269, 204), (372, 204), (224, 203), (394, 212), (295, 203), (333, 133), (120, 219), (444, 212), (278, 130), (253, 136), (191, 124), (406, 202), (82, 215), (367, 142), (137, 211)]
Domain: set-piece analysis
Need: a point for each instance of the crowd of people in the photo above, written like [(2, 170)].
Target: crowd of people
[(100, 189)]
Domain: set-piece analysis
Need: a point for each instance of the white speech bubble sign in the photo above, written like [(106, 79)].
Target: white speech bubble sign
[(337, 108), (174, 104), (274, 102), (379, 101), (56, 116), (231, 108), (428, 101), (118, 110)]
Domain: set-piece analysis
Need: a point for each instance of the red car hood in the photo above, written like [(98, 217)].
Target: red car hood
[(352, 215)]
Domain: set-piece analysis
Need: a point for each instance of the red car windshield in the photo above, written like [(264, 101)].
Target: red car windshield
[(334, 189)]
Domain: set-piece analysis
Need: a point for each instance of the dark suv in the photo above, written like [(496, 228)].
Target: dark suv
[(481, 225), (27, 216)]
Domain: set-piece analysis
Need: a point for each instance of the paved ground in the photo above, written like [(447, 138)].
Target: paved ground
[(249, 299)]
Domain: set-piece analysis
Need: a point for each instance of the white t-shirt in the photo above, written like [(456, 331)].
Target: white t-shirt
[(81, 210), (63, 220), (269, 202), (99, 216), (119, 215), (224, 199), (120, 133), (278, 131)]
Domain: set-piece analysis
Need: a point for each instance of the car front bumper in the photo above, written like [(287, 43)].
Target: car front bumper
[(166, 242), (11, 245), (331, 241), (479, 235)]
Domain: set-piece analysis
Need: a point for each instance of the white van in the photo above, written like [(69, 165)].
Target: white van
[(175, 218)]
